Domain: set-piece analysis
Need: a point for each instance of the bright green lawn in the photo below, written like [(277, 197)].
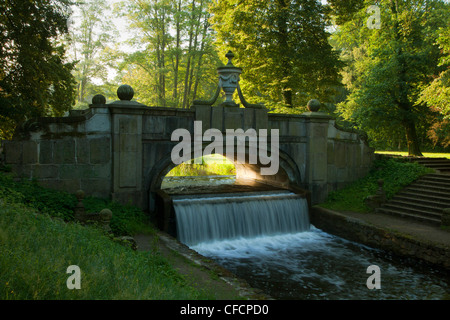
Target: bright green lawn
[(425, 154)]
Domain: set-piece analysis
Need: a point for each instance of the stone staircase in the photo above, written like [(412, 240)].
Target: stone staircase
[(441, 165), (425, 198)]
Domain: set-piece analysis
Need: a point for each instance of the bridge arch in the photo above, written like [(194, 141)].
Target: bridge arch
[(287, 176)]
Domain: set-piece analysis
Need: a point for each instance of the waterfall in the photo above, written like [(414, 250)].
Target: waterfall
[(228, 216)]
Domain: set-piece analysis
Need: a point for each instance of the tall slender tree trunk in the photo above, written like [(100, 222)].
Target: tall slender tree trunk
[(188, 64), (284, 50), (177, 55)]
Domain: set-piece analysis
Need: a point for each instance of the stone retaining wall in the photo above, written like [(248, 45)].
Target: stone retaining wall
[(359, 231)]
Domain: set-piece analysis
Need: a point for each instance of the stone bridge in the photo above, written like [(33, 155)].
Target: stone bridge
[(122, 150)]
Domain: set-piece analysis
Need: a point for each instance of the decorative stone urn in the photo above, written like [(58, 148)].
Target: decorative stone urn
[(229, 80)]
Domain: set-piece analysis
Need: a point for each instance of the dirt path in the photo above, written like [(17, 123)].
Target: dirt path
[(201, 272)]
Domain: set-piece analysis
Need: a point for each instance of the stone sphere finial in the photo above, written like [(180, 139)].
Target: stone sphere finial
[(98, 99), (313, 105), (125, 92)]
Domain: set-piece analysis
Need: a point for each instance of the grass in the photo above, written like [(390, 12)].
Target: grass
[(210, 165), (396, 174), (425, 154), (39, 240)]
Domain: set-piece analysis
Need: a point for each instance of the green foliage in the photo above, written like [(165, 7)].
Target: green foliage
[(35, 80), (90, 41), (282, 47), (36, 251), (126, 219), (54, 203), (396, 174), (387, 69), (176, 61)]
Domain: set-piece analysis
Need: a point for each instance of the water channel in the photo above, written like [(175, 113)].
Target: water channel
[(300, 262)]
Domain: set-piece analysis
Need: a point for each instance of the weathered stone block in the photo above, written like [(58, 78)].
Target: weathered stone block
[(83, 154), (330, 152), (45, 171), (128, 143), (127, 169), (46, 151), (233, 118), (30, 152), (217, 118), (261, 119), (100, 150), (154, 125), (128, 124), (203, 114), (73, 171), (13, 152), (249, 116), (339, 154), (64, 151)]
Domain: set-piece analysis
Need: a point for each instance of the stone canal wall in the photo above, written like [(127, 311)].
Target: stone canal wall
[(383, 237)]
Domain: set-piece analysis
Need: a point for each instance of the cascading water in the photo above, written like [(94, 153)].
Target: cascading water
[(266, 238), (231, 216)]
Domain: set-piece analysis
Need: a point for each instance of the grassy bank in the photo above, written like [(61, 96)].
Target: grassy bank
[(209, 165), (39, 240), (396, 174), (425, 154)]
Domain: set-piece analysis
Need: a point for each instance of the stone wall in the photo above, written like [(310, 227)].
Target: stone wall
[(362, 232), (68, 153), (328, 157)]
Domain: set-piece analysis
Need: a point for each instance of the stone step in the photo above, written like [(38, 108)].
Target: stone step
[(417, 205), (411, 210), (408, 215), (428, 190), (419, 195), (440, 203), (434, 179), (425, 182)]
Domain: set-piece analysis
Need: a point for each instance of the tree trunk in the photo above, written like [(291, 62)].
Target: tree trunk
[(177, 57), (411, 139), (283, 46)]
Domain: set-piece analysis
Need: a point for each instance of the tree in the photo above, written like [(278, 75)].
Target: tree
[(35, 80), (282, 45), (437, 94), (389, 66), (174, 60), (89, 46)]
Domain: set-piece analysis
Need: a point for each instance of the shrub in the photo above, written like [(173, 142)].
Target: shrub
[(396, 173)]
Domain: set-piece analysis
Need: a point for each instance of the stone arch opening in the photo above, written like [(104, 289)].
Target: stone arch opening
[(288, 177)]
